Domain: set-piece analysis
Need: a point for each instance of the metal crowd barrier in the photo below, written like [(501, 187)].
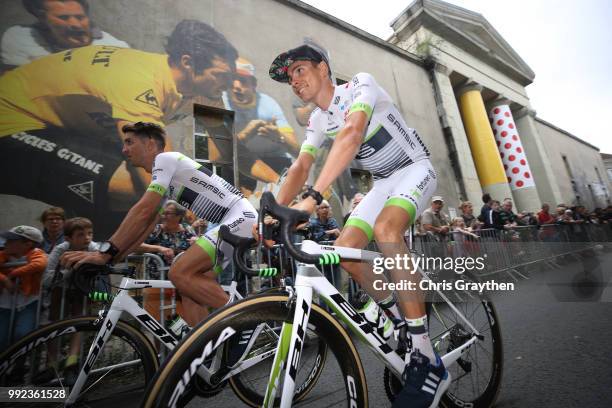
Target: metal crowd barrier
[(510, 251), (506, 251)]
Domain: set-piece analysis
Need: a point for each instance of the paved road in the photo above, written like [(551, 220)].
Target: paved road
[(556, 353)]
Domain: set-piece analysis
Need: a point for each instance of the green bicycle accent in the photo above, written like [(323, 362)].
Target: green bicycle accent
[(268, 272), (100, 296), (279, 363), (329, 259)]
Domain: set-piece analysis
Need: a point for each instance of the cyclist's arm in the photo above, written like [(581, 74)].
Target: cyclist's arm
[(296, 177), (137, 224), (343, 150)]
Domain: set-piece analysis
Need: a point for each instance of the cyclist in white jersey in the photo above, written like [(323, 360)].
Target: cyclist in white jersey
[(177, 177), (366, 126)]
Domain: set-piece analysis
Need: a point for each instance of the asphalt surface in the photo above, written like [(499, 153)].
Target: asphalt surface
[(556, 330)]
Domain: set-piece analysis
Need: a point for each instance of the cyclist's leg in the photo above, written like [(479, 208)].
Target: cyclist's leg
[(410, 189), (193, 276), (357, 233), (425, 377)]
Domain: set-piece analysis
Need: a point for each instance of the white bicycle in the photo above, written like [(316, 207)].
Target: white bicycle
[(115, 357), (466, 335)]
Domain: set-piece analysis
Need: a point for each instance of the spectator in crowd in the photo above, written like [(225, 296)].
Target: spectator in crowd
[(434, 221), (170, 237), (567, 217), (460, 230), (492, 218), (559, 212), (484, 210), (467, 213), (78, 235), (20, 285), (354, 202), (61, 25), (461, 235), (53, 228), (324, 227), (581, 215), (544, 216), (59, 296), (508, 218)]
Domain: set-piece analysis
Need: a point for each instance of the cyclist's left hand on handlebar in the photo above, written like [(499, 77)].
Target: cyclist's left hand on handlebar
[(308, 205), (74, 259)]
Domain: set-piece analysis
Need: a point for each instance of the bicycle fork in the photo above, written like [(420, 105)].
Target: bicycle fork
[(108, 325), (289, 347)]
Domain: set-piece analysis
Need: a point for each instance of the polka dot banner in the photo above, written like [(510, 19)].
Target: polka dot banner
[(510, 148)]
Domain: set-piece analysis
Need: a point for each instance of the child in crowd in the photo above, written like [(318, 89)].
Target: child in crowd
[(459, 233), (20, 285), (60, 298)]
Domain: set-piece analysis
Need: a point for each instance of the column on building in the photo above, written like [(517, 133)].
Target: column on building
[(482, 143), (538, 157), (513, 156), (450, 117)]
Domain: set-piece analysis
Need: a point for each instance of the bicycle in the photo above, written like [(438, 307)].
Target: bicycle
[(120, 357), (465, 349)]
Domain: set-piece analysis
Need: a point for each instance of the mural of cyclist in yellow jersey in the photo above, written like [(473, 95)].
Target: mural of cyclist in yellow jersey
[(61, 115)]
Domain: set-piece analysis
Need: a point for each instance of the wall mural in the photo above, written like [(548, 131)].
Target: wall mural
[(68, 86)]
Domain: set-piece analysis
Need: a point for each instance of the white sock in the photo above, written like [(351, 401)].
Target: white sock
[(419, 335), (390, 305)]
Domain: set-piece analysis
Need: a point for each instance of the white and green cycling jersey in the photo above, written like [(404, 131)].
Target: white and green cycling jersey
[(177, 177), (389, 144)]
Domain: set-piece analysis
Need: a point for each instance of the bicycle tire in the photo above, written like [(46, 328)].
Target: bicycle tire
[(457, 395), (173, 378), (27, 362), (255, 399)]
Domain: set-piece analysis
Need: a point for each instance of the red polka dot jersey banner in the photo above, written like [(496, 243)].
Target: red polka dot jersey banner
[(510, 148)]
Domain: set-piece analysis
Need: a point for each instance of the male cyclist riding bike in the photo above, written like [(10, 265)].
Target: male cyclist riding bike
[(195, 187), (365, 125)]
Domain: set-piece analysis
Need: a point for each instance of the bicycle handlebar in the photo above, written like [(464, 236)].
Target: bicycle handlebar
[(241, 246), (288, 219)]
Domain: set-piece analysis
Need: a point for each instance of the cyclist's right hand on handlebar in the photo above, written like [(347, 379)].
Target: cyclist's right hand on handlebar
[(74, 259)]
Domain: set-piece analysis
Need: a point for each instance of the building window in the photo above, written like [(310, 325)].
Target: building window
[(213, 141)]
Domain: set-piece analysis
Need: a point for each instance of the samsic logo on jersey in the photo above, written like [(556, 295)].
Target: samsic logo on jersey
[(208, 187)]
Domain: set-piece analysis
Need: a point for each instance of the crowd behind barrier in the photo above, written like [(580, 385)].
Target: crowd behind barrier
[(506, 251)]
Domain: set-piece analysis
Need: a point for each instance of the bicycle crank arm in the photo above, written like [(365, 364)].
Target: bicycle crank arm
[(453, 356)]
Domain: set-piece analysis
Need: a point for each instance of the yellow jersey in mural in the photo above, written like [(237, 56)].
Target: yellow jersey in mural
[(88, 89)]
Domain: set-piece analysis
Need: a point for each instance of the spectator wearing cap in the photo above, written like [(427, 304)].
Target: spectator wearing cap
[(53, 228), (434, 221), (61, 25), (20, 285), (261, 127)]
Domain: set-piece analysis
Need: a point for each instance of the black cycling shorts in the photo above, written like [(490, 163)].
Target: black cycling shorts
[(62, 169)]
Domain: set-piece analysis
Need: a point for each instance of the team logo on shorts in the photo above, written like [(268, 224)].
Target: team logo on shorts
[(83, 190)]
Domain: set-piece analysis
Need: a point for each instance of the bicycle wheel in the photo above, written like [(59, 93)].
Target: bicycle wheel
[(250, 385), (53, 356), (476, 376), (342, 378)]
